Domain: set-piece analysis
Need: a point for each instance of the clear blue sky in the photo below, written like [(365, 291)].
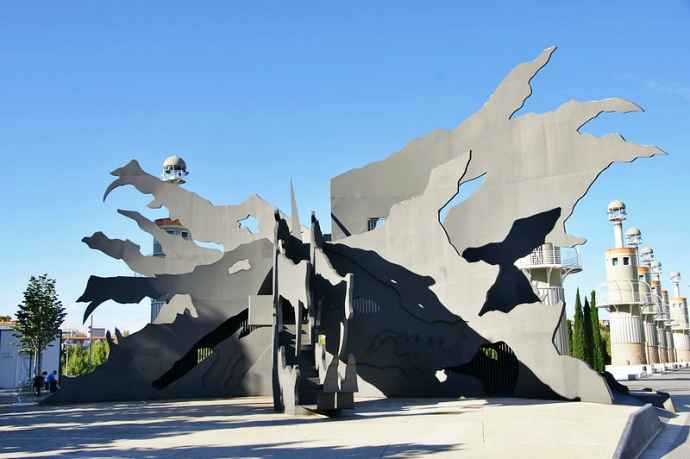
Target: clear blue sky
[(254, 94)]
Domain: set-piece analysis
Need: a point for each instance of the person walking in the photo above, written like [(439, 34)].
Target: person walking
[(53, 382), (38, 383)]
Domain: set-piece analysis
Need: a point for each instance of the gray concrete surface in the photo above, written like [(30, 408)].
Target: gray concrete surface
[(673, 441), (248, 427)]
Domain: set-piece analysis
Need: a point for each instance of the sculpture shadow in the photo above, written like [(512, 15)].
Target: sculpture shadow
[(403, 335), (511, 287)]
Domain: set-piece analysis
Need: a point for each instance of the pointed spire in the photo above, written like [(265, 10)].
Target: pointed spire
[(295, 226)]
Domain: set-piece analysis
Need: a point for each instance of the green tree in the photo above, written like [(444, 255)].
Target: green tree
[(599, 351), (569, 324), (587, 335), (77, 361), (100, 353), (606, 344), (39, 317), (578, 350)]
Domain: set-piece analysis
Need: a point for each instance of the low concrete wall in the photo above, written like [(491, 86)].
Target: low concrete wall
[(641, 429)]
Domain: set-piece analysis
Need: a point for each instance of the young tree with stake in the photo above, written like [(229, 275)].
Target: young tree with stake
[(39, 317)]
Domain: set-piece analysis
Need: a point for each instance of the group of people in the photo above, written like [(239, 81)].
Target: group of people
[(49, 382)]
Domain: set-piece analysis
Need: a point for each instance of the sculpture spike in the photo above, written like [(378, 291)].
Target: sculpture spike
[(295, 226)]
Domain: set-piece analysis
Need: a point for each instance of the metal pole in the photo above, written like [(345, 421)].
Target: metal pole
[(91, 342)]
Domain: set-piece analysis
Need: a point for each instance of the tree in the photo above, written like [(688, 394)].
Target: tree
[(39, 317), (569, 324), (100, 353), (77, 361), (578, 350), (587, 335), (599, 351), (5, 318)]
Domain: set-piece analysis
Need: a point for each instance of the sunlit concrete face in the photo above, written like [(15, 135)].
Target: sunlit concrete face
[(409, 300), (533, 164)]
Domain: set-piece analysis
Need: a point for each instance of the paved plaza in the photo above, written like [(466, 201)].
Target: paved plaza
[(248, 427), (673, 440)]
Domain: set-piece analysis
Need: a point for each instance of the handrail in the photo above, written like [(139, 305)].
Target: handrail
[(550, 255)]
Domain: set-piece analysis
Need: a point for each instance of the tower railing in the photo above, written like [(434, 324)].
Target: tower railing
[(632, 292), (552, 256)]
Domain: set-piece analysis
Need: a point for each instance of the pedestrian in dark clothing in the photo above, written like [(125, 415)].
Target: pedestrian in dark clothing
[(45, 379), (53, 381), (38, 384)]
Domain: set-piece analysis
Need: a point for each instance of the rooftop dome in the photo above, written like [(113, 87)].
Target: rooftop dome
[(174, 162), (633, 232), (616, 205), (174, 169)]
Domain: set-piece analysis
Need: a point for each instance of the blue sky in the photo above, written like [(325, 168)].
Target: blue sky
[(254, 94)]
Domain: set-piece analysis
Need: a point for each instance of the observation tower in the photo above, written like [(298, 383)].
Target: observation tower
[(679, 321), (546, 268), (649, 308), (623, 297), (174, 171)]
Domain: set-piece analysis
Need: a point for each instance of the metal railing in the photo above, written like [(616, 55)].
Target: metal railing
[(630, 292), (547, 255)]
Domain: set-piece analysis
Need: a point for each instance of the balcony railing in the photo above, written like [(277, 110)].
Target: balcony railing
[(629, 292), (550, 256)]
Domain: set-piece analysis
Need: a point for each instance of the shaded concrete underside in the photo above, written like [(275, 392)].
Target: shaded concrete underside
[(247, 427)]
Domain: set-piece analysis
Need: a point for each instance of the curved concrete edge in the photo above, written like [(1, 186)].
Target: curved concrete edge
[(641, 429)]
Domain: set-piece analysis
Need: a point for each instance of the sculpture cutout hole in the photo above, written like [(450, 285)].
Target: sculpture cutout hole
[(465, 190), (496, 366), (249, 223)]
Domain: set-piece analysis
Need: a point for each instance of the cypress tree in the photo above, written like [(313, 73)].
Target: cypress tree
[(599, 351), (578, 351), (587, 335), (569, 324)]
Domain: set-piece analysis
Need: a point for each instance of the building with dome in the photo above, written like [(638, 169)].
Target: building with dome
[(174, 170)]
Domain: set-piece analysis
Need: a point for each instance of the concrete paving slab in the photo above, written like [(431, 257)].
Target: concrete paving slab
[(673, 442), (248, 427)]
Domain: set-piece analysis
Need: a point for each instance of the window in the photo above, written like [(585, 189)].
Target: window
[(626, 261), (375, 222), (185, 234), (170, 231), (614, 261)]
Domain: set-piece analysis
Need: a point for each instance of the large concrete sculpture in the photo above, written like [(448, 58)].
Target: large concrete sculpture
[(536, 168), (419, 306), (213, 348)]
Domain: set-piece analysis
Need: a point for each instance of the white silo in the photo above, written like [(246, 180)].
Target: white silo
[(546, 267), (670, 347), (645, 256), (679, 320), (623, 296), (661, 312)]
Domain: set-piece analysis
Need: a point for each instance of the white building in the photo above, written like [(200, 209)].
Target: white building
[(546, 268), (174, 171), (15, 366)]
